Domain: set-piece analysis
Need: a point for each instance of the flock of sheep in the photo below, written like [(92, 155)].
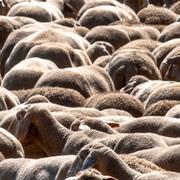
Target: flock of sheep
[(90, 90)]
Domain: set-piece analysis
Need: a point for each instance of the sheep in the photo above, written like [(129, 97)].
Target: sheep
[(10, 147), (37, 11), (7, 99), (60, 34), (170, 66), (160, 108), (164, 49), (62, 54), (154, 15), (175, 7), (170, 32), (140, 165), (101, 158), (9, 24), (127, 63), (173, 112), (25, 74), (98, 49), (166, 158), (142, 44), (28, 127), (87, 80), (57, 95), (165, 126), (44, 168), (124, 33), (116, 100), (104, 15), (37, 99), (142, 88), (95, 3), (171, 91)]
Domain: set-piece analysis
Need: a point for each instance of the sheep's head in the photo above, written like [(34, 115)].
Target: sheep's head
[(83, 153), (26, 118)]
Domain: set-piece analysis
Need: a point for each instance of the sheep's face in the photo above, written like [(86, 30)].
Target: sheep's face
[(78, 162), (20, 125)]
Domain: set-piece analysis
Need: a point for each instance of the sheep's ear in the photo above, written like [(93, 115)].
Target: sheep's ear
[(113, 124)]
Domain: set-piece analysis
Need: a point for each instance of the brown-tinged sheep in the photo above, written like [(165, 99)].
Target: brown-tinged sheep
[(91, 123), (66, 78), (116, 100), (166, 158), (10, 147), (95, 3), (62, 54), (98, 49), (154, 15), (123, 33), (40, 11), (142, 88), (19, 35), (133, 82), (170, 32), (87, 80), (171, 91), (7, 99), (34, 123), (108, 162), (9, 24), (57, 95), (62, 34), (127, 63), (165, 126), (37, 99), (25, 74), (160, 108), (23, 169), (164, 49), (174, 112), (104, 15), (170, 66), (176, 7), (147, 44)]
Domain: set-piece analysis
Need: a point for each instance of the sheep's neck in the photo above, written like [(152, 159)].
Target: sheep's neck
[(119, 169), (51, 136)]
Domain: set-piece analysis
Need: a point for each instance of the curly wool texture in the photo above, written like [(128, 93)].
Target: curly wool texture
[(160, 108), (139, 164)]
